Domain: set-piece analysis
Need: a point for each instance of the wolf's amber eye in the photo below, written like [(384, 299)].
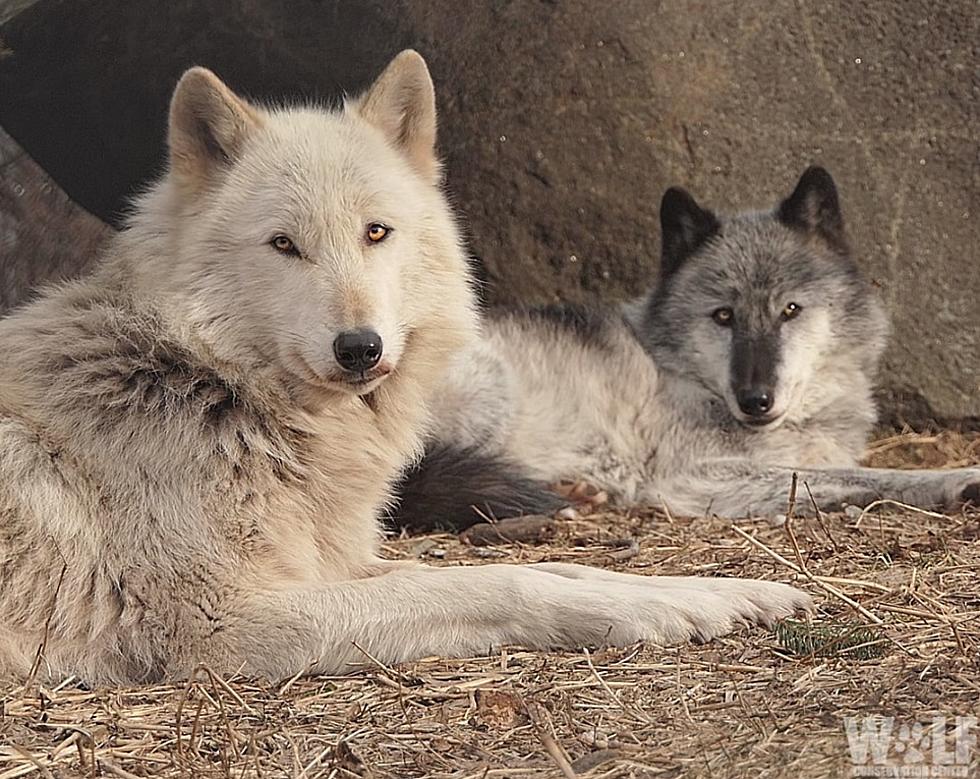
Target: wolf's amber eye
[(377, 232), (284, 245), (723, 316), (791, 311)]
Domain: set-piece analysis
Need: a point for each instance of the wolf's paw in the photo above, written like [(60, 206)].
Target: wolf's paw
[(701, 609), (669, 609), (971, 493), (962, 488), (733, 602)]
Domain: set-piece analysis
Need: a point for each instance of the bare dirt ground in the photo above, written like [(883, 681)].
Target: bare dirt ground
[(897, 633)]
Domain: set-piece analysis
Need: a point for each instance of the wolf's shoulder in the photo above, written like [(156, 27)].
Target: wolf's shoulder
[(91, 347)]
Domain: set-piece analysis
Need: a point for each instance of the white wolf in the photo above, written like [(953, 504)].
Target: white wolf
[(195, 442), (754, 358)]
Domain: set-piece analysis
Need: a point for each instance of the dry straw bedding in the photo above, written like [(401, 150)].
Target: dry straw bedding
[(898, 588)]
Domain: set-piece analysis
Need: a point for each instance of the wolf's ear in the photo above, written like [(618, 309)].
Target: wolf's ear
[(402, 104), (814, 208), (684, 227), (208, 126)]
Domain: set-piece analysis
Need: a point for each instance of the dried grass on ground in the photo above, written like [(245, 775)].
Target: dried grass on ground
[(901, 587)]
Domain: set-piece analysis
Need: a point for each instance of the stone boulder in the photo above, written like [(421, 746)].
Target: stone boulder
[(44, 236)]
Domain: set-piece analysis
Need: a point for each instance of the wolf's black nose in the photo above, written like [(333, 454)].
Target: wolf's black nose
[(357, 350), (755, 401)]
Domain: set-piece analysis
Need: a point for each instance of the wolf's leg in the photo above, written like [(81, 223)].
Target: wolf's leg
[(587, 573), (734, 488), (464, 611)]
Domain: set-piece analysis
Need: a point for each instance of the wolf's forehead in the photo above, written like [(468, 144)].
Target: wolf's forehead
[(311, 161), (758, 259), (307, 174), (746, 244)]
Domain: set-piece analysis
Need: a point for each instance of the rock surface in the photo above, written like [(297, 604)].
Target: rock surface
[(562, 121), (44, 236), (10, 8)]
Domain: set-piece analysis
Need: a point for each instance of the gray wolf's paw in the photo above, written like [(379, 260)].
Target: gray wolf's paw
[(971, 494), (962, 488)]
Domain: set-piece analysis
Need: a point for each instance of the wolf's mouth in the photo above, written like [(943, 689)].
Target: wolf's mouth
[(357, 382), (762, 423), (363, 381)]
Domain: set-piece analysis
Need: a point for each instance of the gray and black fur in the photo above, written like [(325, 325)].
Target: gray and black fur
[(754, 357)]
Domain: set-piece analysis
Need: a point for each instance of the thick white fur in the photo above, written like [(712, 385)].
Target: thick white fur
[(185, 475)]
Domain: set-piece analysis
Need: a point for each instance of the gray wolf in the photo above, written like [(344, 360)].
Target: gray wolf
[(753, 358), (197, 439)]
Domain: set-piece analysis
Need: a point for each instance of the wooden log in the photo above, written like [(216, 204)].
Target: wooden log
[(44, 235)]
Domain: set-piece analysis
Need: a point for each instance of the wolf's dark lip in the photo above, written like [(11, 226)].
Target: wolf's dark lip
[(761, 423), (362, 379)]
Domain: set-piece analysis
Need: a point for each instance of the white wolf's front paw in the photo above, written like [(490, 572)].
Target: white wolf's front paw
[(558, 604), (669, 609), (713, 607)]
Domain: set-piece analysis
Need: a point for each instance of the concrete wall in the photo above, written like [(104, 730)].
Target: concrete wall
[(564, 120)]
